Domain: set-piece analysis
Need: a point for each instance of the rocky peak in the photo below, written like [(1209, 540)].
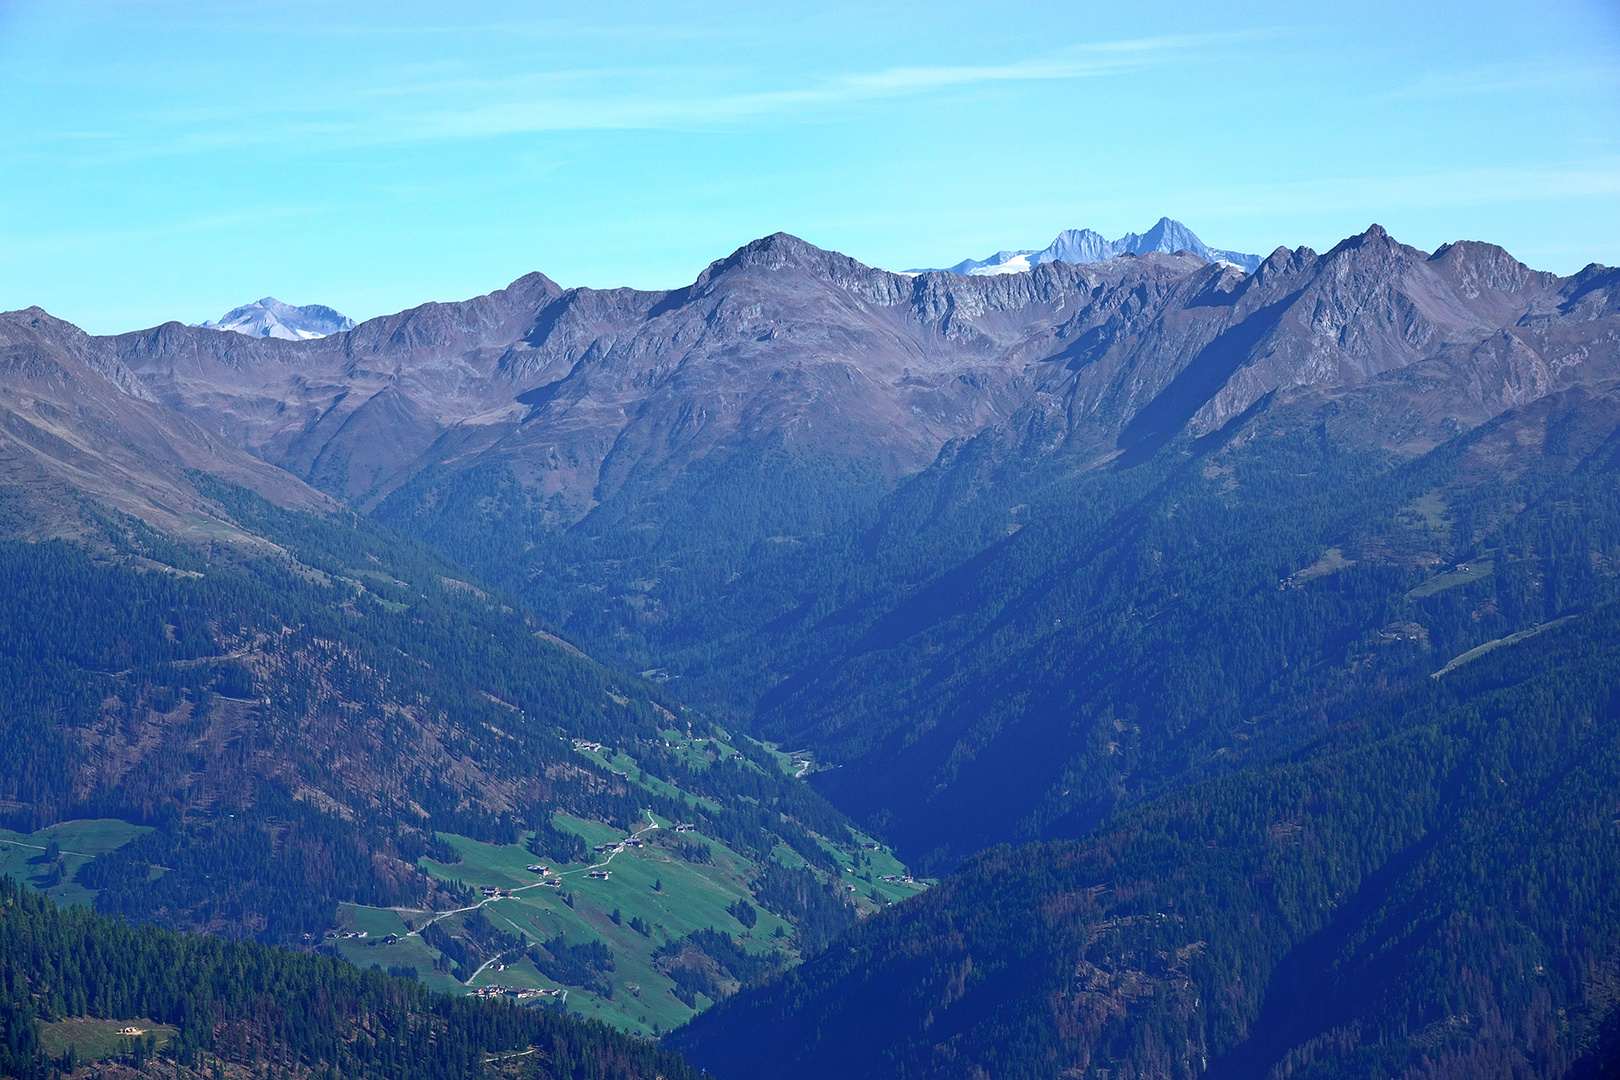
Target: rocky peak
[(1165, 235), (1374, 239), (779, 252), (1077, 246), (37, 331)]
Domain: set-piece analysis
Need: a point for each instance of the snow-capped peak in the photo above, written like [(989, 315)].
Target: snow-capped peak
[(1087, 245), (271, 318)]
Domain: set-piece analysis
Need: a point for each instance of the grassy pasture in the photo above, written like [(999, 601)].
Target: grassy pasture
[(96, 1039), (654, 887), (689, 896), (22, 856), (1463, 575)]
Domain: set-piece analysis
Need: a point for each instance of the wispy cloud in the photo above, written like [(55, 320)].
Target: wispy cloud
[(446, 102), (1514, 78), (21, 247), (672, 106), (1441, 188)]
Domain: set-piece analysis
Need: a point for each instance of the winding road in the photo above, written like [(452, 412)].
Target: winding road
[(438, 915)]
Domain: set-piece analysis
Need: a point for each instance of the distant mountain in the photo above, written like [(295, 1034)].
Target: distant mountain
[(1088, 246), (270, 318)]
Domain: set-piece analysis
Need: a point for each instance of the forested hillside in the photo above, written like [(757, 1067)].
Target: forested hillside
[(1424, 888), (243, 1009), (229, 703), (320, 699), (1139, 630), (322, 727)]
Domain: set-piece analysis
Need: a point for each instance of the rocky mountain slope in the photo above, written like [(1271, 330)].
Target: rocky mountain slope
[(1089, 246), (582, 391), (80, 434)]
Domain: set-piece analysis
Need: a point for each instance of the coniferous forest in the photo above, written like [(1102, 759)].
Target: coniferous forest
[(251, 1007)]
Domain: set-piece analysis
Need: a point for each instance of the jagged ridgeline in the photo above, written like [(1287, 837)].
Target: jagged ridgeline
[(80, 988), (295, 740), (1428, 889)]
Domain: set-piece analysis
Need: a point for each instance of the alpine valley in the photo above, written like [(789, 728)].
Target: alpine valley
[(1152, 665)]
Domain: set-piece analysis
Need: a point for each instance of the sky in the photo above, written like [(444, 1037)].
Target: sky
[(170, 160)]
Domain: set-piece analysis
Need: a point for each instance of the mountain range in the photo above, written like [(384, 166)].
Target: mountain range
[(270, 318), (1089, 246), (1270, 614)]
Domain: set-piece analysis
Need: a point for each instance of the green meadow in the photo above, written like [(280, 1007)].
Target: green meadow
[(652, 895), (23, 856), (97, 1039), (669, 896)]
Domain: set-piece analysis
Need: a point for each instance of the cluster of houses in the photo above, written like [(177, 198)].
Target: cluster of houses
[(905, 878), (593, 747), (615, 846), (342, 935), (494, 892), (685, 827), (519, 992)]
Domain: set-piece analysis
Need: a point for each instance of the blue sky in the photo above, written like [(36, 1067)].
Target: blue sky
[(171, 160)]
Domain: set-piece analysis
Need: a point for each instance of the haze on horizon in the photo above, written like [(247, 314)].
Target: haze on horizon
[(176, 159)]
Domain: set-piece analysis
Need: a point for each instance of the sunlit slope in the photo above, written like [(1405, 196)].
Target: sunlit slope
[(641, 927)]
